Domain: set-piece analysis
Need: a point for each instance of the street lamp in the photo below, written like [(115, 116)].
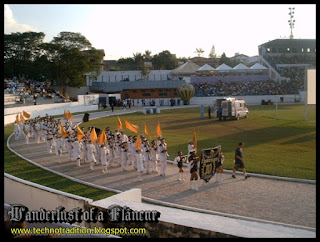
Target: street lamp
[(291, 21)]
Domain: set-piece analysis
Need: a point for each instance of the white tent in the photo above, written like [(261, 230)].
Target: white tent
[(258, 66), (187, 68), (206, 68), (224, 67), (240, 67)]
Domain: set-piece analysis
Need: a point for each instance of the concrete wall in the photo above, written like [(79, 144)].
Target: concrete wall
[(35, 196), (250, 100)]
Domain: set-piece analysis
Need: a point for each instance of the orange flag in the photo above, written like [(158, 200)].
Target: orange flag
[(17, 119), (146, 130), (80, 134), (195, 141), (69, 115), (102, 137), (132, 127), (22, 118), (158, 130), (119, 124), (138, 142), (93, 135), (66, 113), (63, 131), (27, 115)]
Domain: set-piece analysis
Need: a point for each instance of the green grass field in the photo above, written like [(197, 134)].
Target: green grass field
[(280, 145)]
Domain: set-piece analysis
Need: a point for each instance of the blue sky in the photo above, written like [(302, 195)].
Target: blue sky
[(122, 30)]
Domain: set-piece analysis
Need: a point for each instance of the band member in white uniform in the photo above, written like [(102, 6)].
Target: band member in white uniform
[(76, 151), (153, 157), (163, 154), (124, 156), (104, 154), (49, 142), (91, 150), (69, 147), (27, 130), (58, 147), (16, 130), (146, 153), (139, 159), (37, 132)]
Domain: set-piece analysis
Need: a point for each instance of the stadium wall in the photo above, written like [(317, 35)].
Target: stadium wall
[(250, 100)]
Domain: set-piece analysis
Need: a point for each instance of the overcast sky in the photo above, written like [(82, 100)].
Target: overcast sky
[(122, 30)]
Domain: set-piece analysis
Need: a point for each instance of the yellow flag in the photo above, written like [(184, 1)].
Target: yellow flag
[(138, 142), (119, 124), (27, 115), (93, 135), (132, 127), (158, 130), (80, 134), (102, 137), (195, 141), (22, 118)]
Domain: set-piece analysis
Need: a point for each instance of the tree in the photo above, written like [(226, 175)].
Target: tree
[(164, 61), (212, 53), (71, 56), (20, 50), (199, 51)]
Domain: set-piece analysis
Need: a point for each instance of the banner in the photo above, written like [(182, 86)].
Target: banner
[(80, 134), (119, 124), (93, 135), (27, 115), (102, 137), (207, 164)]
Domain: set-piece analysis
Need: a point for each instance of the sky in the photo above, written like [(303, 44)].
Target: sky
[(124, 29)]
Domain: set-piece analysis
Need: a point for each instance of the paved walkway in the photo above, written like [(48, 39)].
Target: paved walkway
[(268, 199)]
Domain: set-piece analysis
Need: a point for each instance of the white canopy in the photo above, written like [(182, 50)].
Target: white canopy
[(187, 68), (258, 66), (240, 67), (224, 67), (206, 67)]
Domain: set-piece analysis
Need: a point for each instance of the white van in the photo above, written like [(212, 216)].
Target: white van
[(234, 108)]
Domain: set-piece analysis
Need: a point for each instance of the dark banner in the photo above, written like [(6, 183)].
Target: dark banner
[(207, 164)]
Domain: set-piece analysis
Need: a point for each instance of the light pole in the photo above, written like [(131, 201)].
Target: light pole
[(291, 21)]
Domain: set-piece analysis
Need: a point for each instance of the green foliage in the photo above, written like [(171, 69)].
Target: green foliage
[(164, 61)]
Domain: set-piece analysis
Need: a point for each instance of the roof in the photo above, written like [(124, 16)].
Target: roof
[(290, 42), (187, 68), (258, 66), (206, 67), (224, 67), (240, 67), (130, 85)]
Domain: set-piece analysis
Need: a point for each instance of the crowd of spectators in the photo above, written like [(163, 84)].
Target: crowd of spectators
[(28, 91), (238, 88)]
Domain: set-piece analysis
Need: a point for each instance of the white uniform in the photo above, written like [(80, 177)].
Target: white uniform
[(69, 148), (37, 132), (76, 151), (26, 130), (83, 155), (49, 143), (124, 158), (140, 168), (153, 160), (91, 150), (146, 154), (58, 147), (133, 155), (16, 131), (104, 153), (163, 158)]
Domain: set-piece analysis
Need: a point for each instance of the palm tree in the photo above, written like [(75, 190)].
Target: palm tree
[(199, 51)]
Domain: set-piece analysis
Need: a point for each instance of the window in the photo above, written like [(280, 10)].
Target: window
[(308, 50), (146, 94)]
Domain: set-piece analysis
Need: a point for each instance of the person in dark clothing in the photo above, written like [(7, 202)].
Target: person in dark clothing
[(209, 112), (239, 161)]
